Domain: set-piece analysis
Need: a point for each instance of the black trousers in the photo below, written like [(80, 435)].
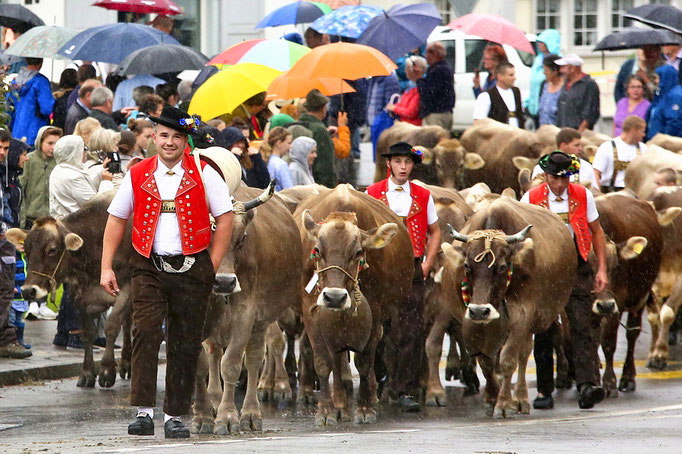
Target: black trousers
[(67, 318), (8, 334), (183, 299)]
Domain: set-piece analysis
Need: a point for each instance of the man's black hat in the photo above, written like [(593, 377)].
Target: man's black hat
[(177, 119), (404, 149), (559, 164)]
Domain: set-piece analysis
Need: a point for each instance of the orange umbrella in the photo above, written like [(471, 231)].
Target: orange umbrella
[(290, 87)]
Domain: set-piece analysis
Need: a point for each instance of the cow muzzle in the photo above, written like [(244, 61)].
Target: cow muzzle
[(482, 313), (334, 298), (605, 306), (226, 284), (33, 292)]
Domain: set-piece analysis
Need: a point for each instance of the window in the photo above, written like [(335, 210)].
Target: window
[(618, 8), (474, 54), (547, 15), (449, 46), (584, 22)]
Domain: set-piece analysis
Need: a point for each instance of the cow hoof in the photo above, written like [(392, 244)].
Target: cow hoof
[(343, 414), (657, 363), (306, 398), (107, 378), (195, 427), (265, 394), (471, 381), (323, 418), (489, 409), (365, 415), (436, 400), (452, 373), (563, 382), (282, 395), (86, 381), (124, 369), (221, 429), (627, 386), (524, 407), (503, 413), (611, 392), (251, 422), (348, 386)]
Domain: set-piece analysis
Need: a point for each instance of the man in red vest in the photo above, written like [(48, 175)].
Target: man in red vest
[(576, 206), (415, 206), (169, 198)]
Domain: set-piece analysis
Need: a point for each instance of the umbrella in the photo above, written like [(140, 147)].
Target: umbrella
[(113, 42), (493, 28), (42, 41), (7, 60), (203, 76), (166, 7), (402, 28), (632, 38), (662, 16), (336, 4), (343, 61), (275, 53), (162, 58), (294, 13), (18, 18), (348, 21), (290, 87), (226, 90)]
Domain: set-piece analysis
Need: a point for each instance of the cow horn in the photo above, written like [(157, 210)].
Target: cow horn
[(456, 235), (511, 239), (261, 199)]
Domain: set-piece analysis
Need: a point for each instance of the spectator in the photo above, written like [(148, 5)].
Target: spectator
[(313, 38), (665, 177), (343, 161), (303, 153), (407, 109), (380, 91), (81, 108), (85, 128), (549, 43), (291, 110), (85, 72), (184, 94), (354, 104), (101, 142), (242, 125), (493, 55), (279, 141), (36, 176), (163, 23), (67, 83), (248, 111), (323, 167), (9, 177), (437, 89), (503, 101), (550, 91), (613, 156), (298, 130), (401, 63), (125, 91), (644, 64), (143, 130), (633, 104), (125, 145), (672, 54), (102, 101), (33, 103), (294, 38), (665, 115), (280, 120), (169, 94), (578, 105), (218, 124), (254, 170), (151, 105)]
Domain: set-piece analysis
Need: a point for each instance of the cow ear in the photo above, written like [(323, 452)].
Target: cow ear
[(668, 216), (73, 242), (524, 180), (522, 162), (310, 225), (524, 253), (473, 161), (509, 193), (16, 237), (633, 247), (438, 277), (454, 255), (381, 237)]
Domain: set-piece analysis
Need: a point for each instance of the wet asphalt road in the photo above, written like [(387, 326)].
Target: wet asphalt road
[(56, 416)]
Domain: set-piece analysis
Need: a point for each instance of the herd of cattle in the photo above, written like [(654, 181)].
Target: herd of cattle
[(519, 279)]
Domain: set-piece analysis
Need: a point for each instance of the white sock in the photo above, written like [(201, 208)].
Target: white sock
[(167, 417), (148, 410)]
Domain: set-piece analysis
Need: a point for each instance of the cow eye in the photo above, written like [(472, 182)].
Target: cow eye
[(359, 253), (502, 268), (466, 268), (52, 251), (240, 242)]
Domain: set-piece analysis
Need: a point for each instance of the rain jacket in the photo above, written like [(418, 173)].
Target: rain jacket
[(665, 114), (552, 39), (11, 188), (70, 182), (35, 181), (33, 104), (323, 167), (298, 168)]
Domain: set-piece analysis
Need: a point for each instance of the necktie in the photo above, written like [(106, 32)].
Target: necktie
[(170, 172), (399, 189)]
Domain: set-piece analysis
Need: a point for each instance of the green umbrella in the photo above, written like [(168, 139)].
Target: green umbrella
[(42, 42)]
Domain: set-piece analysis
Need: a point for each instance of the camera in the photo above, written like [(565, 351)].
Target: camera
[(114, 165)]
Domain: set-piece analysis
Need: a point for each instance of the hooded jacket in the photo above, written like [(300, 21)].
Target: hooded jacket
[(33, 104), (35, 182), (665, 114), (11, 188), (298, 167), (552, 39)]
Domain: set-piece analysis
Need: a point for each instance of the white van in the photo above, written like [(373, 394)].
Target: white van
[(465, 53)]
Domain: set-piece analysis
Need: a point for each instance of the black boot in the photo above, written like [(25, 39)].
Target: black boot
[(543, 402), (590, 395), (20, 337), (142, 425), (174, 428), (406, 403)]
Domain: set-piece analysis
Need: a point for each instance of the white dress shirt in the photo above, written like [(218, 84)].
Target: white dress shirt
[(585, 174), (482, 106), (603, 160), (401, 201), (167, 238), (561, 207)]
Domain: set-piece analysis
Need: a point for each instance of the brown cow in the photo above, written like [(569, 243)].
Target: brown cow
[(354, 229), (671, 143), (506, 282), (639, 176)]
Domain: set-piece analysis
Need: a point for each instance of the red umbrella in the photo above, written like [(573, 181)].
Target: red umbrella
[(493, 28), (166, 7)]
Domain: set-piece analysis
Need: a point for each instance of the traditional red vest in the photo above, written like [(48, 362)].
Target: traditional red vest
[(190, 207), (417, 219), (577, 212)]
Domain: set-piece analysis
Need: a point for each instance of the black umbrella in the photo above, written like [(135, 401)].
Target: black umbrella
[(204, 74), (162, 58), (18, 18), (633, 38), (662, 16)]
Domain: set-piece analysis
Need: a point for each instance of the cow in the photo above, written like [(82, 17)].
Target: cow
[(360, 253), (261, 296), (639, 176), (296, 194), (505, 282), (497, 144), (671, 143), (444, 158)]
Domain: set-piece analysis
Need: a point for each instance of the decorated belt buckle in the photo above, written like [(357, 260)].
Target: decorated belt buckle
[(168, 206)]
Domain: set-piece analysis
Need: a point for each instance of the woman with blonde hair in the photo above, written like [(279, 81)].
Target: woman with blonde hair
[(279, 142), (85, 128)]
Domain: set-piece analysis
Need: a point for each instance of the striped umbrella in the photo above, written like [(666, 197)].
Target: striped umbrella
[(279, 54)]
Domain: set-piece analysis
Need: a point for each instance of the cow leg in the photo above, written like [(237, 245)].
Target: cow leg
[(435, 394), (251, 417), (364, 362), (323, 360), (215, 388), (668, 311), (521, 389), (634, 325), (653, 317), (266, 383), (112, 326), (290, 359), (339, 394), (202, 410), (281, 390), (492, 385), (563, 369), (609, 339), (306, 372), (453, 366), (89, 370), (518, 341)]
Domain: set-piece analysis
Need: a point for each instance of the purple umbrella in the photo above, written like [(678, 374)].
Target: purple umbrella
[(401, 29)]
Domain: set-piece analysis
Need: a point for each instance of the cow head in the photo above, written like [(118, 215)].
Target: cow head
[(488, 258), (339, 254), (46, 247), (449, 157)]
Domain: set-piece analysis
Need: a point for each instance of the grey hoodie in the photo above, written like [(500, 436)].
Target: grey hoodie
[(35, 181), (298, 168)]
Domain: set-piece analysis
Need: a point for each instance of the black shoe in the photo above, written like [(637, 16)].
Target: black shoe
[(406, 403), (174, 428), (61, 339), (590, 395), (543, 402), (142, 425), (75, 341)]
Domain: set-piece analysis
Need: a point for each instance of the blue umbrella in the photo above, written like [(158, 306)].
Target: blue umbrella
[(294, 13), (402, 28), (348, 21), (112, 43)]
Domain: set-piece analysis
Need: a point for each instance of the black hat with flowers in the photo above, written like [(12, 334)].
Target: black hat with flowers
[(404, 149), (177, 119)]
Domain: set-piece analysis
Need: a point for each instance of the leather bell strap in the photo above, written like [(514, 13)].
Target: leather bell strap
[(187, 264)]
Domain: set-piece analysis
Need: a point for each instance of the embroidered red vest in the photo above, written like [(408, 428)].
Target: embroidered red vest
[(417, 219), (577, 212), (190, 207)]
